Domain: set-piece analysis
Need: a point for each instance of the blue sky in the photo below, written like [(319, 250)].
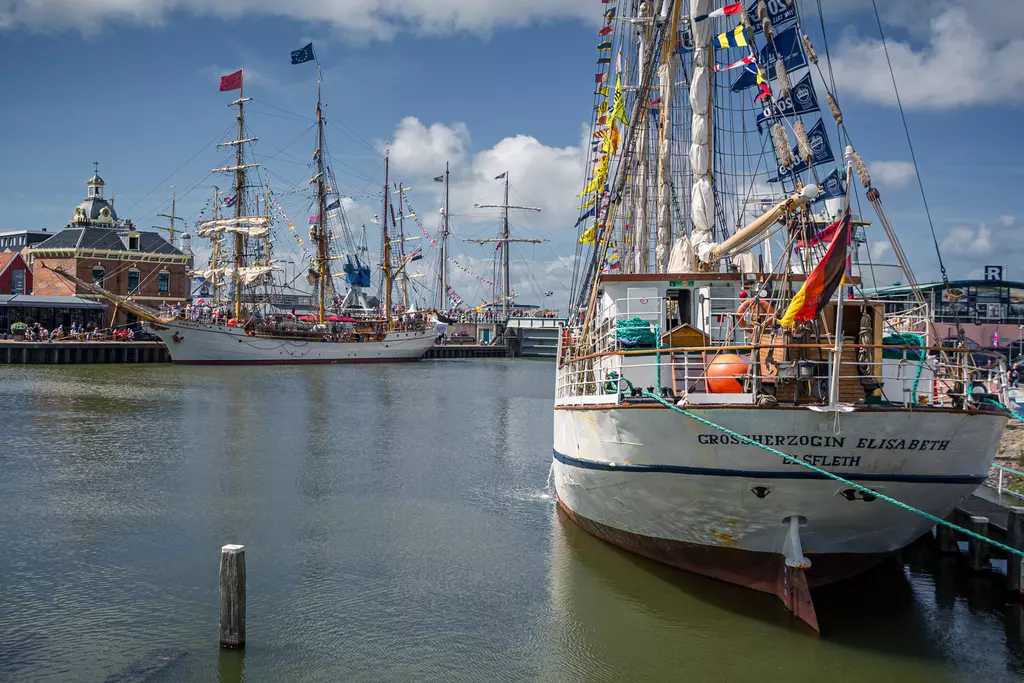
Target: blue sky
[(133, 84)]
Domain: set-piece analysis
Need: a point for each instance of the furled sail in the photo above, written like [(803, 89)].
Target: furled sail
[(251, 226), (702, 196)]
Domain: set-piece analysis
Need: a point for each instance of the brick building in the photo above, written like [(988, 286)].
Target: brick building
[(15, 276), (98, 247)]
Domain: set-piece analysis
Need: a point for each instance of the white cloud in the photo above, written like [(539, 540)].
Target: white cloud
[(540, 175), (893, 174), (359, 19), (960, 63), (879, 250), (967, 248)]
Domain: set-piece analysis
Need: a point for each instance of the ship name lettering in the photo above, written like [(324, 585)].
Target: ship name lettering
[(773, 440), (902, 444)]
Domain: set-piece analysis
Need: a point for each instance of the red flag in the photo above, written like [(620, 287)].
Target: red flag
[(605, 31), (231, 81)]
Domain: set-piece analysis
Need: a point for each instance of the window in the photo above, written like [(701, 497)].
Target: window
[(163, 282), (133, 280), (97, 275), (18, 281), (133, 242)]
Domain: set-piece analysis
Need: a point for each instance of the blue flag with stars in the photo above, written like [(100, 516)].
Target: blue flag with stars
[(303, 54)]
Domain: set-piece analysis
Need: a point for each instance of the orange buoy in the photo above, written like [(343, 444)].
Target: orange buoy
[(723, 374), (232, 322)]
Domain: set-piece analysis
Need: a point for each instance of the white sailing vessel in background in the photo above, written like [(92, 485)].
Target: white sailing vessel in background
[(242, 269), (691, 350)]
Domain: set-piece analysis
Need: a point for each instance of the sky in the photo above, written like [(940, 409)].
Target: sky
[(487, 86)]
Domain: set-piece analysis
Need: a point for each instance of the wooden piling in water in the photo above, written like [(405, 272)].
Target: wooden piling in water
[(946, 539), (232, 596), (1015, 539), (976, 550)]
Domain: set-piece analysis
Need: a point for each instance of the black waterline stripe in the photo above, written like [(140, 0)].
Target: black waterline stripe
[(756, 474)]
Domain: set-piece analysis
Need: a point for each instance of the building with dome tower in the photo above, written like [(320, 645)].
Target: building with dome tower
[(101, 248)]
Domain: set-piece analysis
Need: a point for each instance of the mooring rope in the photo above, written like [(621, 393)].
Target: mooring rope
[(830, 475)]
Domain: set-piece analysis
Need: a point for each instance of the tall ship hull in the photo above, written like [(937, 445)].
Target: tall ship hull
[(201, 343), (730, 399), (646, 479)]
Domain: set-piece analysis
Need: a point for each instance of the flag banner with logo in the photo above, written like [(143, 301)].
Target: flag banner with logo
[(820, 148), (779, 12), (787, 45), (802, 99)]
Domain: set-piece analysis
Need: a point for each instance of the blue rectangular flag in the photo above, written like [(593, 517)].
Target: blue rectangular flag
[(831, 187), (499, 177), (336, 204), (802, 99), (787, 45), (820, 148), (779, 12), (303, 54)]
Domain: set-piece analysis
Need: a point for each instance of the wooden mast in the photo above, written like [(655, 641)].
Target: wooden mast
[(172, 216), (385, 267), (321, 191), (443, 270), (215, 255), (401, 236), (239, 202)]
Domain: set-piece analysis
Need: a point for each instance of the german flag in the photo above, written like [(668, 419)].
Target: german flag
[(822, 282)]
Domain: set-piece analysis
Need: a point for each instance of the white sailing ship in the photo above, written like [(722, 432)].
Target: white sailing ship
[(242, 272), (691, 349)]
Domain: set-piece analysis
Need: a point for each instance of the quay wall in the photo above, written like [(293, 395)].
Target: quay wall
[(73, 352)]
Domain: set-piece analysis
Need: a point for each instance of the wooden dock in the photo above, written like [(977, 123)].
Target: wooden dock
[(81, 352), (466, 351)]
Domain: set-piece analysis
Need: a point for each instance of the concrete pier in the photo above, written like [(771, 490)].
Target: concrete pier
[(81, 352)]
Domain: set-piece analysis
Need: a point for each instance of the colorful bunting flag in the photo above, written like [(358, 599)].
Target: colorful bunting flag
[(619, 103), (606, 30), (589, 235), (734, 8), (749, 59), (604, 60), (605, 45), (734, 38)]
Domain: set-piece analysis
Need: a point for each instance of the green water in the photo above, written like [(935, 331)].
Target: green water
[(398, 527)]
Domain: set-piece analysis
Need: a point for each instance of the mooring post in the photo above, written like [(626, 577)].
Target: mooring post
[(232, 596), (1015, 539), (946, 539), (976, 554)]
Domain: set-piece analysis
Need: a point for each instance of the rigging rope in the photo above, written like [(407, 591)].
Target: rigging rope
[(917, 170), (846, 482)]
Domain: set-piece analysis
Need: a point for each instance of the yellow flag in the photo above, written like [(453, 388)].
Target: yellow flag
[(619, 103), (589, 235), (587, 204), (611, 141)]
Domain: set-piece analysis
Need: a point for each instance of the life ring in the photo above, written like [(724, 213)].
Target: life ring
[(746, 319)]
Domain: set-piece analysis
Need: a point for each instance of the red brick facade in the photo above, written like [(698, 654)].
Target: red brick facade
[(10, 263)]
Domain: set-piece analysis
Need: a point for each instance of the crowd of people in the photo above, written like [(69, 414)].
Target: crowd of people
[(76, 331)]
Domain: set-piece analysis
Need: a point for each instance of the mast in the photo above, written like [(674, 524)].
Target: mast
[(172, 216), (443, 270), (215, 240), (401, 237), (239, 201), (321, 196), (504, 242), (640, 221), (386, 265), (665, 78), (505, 280), (702, 194)]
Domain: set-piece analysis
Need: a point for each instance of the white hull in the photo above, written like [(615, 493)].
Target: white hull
[(194, 342), (655, 474)]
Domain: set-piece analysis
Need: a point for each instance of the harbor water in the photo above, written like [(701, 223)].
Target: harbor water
[(399, 526)]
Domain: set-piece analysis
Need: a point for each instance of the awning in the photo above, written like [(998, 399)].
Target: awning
[(31, 301)]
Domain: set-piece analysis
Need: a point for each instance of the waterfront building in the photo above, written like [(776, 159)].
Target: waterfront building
[(99, 247), (15, 275), (51, 311), (990, 311), (19, 240)]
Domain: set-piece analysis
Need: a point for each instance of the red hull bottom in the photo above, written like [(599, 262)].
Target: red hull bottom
[(766, 572)]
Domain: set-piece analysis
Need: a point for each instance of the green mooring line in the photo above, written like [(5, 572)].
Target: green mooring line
[(830, 475)]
